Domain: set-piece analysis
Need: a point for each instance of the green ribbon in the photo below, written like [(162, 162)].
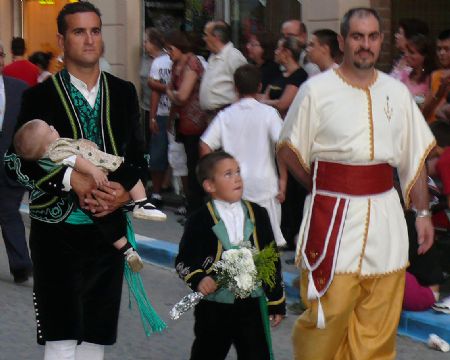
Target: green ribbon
[(266, 323), (151, 322)]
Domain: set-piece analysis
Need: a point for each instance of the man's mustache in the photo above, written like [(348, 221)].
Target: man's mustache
[(365, 50)]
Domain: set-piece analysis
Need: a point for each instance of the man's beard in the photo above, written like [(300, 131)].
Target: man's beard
[(364, 66)]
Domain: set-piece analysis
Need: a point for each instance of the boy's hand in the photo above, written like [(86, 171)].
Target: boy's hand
[(207, 285), (276, 319)]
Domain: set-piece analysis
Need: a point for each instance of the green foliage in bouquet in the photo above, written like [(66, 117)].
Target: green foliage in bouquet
[(265, 264)]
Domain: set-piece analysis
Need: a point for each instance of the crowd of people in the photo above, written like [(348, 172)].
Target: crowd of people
[(293, 141)]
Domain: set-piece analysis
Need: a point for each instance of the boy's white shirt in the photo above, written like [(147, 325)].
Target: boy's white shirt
[(232, 215), (249, 130)]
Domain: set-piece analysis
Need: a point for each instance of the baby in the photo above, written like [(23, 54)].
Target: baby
[(37, 140)]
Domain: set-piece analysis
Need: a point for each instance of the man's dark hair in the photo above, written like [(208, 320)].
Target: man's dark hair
[(179, 40), (155, 37), (222, 31), (74, 8), (413, 26), (330, 38), (444, 35), (18, 46), (206, 166), (360, 12), (247, 79), (303, 28)]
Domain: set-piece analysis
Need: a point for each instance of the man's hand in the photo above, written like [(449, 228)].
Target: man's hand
[(425, 234), (207, 285), (83, 185), (276, 319), (107, 198)]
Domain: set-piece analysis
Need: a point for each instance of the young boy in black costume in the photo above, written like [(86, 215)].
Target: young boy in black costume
[(223, 223)]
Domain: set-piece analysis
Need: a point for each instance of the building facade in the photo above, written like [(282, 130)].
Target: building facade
[(124, 21)]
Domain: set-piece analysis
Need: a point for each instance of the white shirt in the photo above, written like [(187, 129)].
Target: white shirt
[(161, 70), (232, 215), (217, 85), (90, 96), (2, 101), (249, 130), (333, 120)]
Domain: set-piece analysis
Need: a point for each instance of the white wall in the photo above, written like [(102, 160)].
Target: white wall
[(122, 34), (319, 14)]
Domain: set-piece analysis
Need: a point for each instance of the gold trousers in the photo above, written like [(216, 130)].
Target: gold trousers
[(361, 319)]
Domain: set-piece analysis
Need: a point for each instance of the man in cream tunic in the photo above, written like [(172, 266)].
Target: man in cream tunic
[(361, 119)]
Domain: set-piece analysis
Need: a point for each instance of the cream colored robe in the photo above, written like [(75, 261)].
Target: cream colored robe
[(332, 120)]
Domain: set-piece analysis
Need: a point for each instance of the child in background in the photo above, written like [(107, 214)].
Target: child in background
[(224, 223), (249, 131), (38, 140)]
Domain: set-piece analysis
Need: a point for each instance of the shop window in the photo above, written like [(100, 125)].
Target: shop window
[(247, 17)]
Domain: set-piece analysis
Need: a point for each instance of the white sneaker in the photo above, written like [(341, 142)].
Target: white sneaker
[(148, 211), (442, 306), (435, 342)]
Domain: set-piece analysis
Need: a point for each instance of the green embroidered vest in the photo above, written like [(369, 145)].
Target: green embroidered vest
[(90, 122), (223, 295)]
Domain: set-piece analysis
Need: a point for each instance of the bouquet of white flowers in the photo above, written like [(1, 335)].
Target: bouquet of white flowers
[(241, 271)]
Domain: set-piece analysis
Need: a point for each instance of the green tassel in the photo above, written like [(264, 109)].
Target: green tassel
[(265, 318), (151, 322)]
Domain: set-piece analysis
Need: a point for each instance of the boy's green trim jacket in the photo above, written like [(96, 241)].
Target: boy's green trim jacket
[(200, 248)]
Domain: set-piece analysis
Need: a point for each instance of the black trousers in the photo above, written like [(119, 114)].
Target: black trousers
[(292, 210), (427, 268), (77, 283), (13, 230), (218, 326), (195, 193)]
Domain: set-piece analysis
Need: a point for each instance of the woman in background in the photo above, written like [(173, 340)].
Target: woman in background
[(183, 91), (281, 90), (260, 51), (42, 61)]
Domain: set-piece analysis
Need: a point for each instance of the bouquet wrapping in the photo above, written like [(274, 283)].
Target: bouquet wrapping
[(241, 271)]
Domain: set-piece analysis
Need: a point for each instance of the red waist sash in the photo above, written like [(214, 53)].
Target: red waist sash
[(333, 183), (356, 180)]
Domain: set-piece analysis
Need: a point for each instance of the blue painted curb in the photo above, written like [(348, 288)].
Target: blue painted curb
[(420, 324)]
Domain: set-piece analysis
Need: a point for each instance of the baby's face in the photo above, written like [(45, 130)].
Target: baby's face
[(49, 134)]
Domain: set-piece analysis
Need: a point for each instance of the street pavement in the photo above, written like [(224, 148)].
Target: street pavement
[(17, 325)]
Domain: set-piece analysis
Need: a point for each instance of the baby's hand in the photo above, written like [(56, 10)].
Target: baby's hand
[(207, 285), (99, 176)]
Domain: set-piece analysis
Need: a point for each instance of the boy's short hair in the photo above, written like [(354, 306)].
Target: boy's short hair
[(207, 165), (25, 141), (247, 79)]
